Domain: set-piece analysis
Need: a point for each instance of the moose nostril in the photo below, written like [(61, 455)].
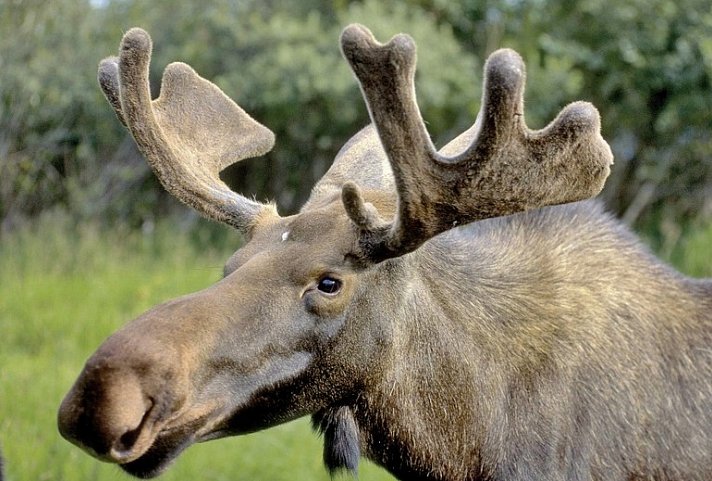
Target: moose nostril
[(130, 444), (108, 413), (128, 439)]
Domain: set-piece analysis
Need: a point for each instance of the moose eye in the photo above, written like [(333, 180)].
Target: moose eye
[(329, 285)]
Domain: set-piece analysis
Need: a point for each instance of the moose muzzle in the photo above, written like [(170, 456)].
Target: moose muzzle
[(122, 400), (189, 370), (138, 386)]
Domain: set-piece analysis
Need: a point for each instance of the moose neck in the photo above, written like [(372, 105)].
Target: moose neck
[(454, 391), (470, 357), (435, 378)]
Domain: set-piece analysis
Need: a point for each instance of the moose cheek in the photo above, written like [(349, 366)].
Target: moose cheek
[(327, 313), (324, 306)]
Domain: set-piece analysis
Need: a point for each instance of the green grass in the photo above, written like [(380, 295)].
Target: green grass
[(62, 292), (64, 289)]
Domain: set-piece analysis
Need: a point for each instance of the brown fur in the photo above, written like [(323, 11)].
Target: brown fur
[(541, 346)]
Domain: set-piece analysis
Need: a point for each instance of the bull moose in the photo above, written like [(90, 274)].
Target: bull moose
[(461, 314)]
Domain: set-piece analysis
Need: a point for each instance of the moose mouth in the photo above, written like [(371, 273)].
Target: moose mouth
[(158, 457), (166, 448), (169, 444), (168, 423), (250, 412)]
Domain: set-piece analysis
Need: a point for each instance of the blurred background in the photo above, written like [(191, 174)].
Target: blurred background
[(646, 65), (88, 238)]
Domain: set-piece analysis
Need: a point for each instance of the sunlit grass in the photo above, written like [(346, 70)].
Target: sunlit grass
[(63, 289), (62, 292)]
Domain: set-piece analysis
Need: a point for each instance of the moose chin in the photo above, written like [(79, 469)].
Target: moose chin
[(455, 314)]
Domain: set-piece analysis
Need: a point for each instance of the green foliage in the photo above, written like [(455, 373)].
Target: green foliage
[(46, 104), (647, 66), (62, 144), (63, 289), (692, 253)]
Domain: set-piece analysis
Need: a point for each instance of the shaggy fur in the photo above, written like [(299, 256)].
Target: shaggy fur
[(341, 438)]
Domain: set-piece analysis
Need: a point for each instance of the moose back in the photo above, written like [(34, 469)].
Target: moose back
[(442, 313)]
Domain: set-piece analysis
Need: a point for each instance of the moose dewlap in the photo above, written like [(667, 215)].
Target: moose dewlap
[(439, 312)]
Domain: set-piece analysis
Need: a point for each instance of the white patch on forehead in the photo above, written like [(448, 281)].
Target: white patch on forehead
[(285, 236)]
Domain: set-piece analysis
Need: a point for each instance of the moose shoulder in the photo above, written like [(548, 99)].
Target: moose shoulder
[(441, 313)]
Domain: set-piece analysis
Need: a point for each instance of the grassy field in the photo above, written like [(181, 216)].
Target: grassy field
[(61, 294), (63, 290)]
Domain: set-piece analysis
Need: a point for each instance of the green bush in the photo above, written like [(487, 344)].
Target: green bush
[(647, 66), (693, 254), (61, 145)]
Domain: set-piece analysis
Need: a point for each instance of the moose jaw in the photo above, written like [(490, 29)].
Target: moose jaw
[(539, 341)]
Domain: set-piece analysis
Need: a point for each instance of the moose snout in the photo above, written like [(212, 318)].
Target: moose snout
[(106, 413), (114, 409)]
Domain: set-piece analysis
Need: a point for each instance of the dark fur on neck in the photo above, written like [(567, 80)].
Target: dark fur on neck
[(341, 438)]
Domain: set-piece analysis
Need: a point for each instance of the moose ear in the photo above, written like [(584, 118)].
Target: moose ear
[(362, 161)]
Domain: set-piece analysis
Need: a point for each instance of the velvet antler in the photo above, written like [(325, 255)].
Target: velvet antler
[(189, 134), (507, 168)]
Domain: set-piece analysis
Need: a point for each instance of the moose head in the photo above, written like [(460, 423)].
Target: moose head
[(313, 311)]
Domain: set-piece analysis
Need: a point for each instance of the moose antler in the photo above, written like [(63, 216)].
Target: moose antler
[(189, 134), (507, 168)]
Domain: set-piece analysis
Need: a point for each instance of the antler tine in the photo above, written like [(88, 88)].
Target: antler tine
[(189, 134), (108, 78), (505, 169)]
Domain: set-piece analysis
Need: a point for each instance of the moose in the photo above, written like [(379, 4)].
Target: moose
[(467, 313)]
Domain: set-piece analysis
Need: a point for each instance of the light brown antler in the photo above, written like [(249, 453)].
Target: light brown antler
[(188, 134), (507, 168)]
